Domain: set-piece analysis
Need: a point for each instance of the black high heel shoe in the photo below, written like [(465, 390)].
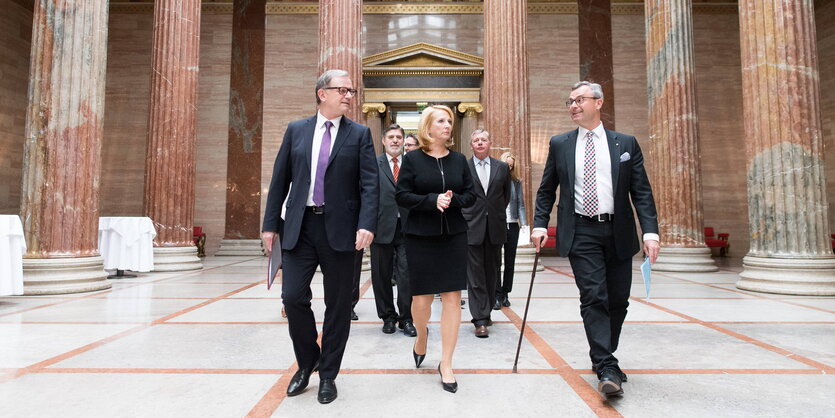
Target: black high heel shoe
[(449, 387), (419, 357)]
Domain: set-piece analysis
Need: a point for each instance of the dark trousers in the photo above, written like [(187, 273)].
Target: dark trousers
[(482, 269), (385, 260), (604, 282), (338, 269), (504, 287)]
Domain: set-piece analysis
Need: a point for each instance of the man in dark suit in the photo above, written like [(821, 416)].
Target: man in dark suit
[(388, 251), (598, 172), (487, 229), (331, 214)]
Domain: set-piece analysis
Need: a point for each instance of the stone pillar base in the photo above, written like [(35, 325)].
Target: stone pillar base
[(176, 259), (55, 276), (691, 260), (241, 247), (524, 260), (788, 276)]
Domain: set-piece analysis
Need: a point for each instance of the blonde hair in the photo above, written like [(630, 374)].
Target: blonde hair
[(514, 172), (423, 138)]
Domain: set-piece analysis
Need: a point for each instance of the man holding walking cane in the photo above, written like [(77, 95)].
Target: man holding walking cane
[(598, 172)]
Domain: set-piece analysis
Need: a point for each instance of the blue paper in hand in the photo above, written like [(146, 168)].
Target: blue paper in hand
[(646, 269)]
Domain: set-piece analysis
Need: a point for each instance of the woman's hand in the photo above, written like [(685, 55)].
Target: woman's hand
[(444, 200)]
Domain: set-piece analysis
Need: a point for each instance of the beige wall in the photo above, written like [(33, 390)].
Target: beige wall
[(291, 42), (15, 38)]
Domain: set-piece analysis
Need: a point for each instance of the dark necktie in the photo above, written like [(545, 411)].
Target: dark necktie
[(590, 204), (395, 169)]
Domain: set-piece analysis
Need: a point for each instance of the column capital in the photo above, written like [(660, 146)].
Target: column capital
[(469, 109), (373, 109)]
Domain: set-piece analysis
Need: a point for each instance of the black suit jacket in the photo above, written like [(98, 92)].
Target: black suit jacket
[(420, 181), (489, 207), (629, 180), (351, 194), (388, 209)]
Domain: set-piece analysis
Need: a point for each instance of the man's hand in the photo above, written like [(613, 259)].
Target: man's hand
[(651, 248), (538, 239), (268, 238), (364, 238)]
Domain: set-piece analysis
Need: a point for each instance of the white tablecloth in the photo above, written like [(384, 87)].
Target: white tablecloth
[(127, 243), (12, 247)]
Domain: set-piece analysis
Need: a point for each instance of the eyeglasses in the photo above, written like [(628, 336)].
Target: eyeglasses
[(343, 90), (578, 100)]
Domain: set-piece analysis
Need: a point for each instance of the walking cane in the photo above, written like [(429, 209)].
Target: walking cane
[(525, 316)]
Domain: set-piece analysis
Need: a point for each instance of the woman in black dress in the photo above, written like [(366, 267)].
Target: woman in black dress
[(434, 184)]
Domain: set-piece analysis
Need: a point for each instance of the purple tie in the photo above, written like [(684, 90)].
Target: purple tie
[(322, 166)]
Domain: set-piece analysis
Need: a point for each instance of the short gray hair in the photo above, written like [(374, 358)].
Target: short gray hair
[(480, 131), (325, 80), (596, 89)]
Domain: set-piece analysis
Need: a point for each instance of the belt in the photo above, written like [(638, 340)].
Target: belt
[(317, 210), (603, 217)]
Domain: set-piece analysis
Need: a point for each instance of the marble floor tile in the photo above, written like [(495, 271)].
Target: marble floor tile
[(169, 290), (113, 310), (569, 310), (133, 395), (724, 395), (813, 341), (667, 346), (22, 345), (242, 310), (209, 346), (744, 310), (479, 395)]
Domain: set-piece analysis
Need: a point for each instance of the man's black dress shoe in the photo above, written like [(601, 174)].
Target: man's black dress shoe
[(409, 329), (389, 327), (449, 387), (497, 304), (327, 390), (623, 376), (505, 301), (354, 316), (300, 380), (610, 383)]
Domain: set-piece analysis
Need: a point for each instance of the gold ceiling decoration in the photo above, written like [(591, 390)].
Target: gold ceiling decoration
[(622, 7)]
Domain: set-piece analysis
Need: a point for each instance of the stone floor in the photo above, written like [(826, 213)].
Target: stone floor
[(212, 343)]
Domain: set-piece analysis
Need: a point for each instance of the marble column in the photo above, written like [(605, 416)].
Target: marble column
[(469, 123), (340, 44), (594, 20), (505, 91), (373, 119), (790, 251), (242, 234), (169, 165), (674, 137), (62, 150)]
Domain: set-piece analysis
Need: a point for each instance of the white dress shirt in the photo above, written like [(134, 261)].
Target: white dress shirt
[(605, 193), (483, 176), (318, 133)]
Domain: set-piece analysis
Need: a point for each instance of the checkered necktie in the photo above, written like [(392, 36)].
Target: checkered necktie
[(395, 168), (590, 203)]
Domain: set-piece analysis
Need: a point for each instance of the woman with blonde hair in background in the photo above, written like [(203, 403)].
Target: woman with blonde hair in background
[(516, 219), (434, 184)]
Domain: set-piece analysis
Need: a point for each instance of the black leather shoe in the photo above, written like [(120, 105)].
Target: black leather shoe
[(497, 304), (300, 380), (610, 383), (354, 316), (623, 376), (449, 387), (389, 327), (419, 357), (327, 391), (409, 329), (505, 301)]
